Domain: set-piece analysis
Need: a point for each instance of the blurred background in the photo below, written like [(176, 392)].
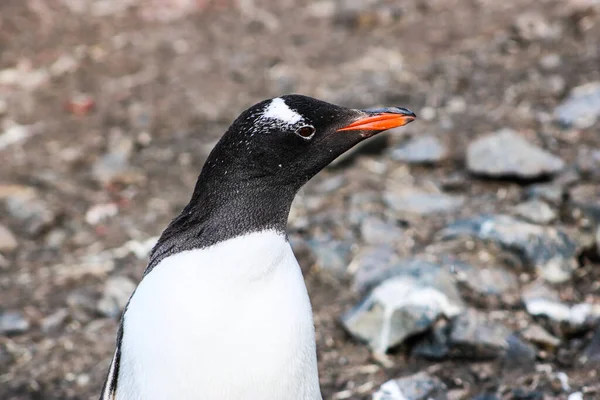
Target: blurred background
[(469, 237)]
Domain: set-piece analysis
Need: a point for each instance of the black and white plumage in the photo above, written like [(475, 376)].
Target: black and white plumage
[(222, 311)]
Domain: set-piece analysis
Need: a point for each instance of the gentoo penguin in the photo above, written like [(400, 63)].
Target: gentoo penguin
[(222, 311)]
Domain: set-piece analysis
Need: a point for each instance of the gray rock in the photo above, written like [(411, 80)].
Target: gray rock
[(435, 344), (114, 165), (55, 320), (541, 300), (550, 192), (8, 242), (486, 281), (408, 303), (371, 266), (25, 204), (117, 291), (12, 323), (507, 154), (406, 201), (375, 231), (361, 205), (548, 250), (331, 256), (519, 355), (582, 108), (535, 211), (588, 163), (473, 336), (532, 26), (534, 333), (591, 353), (421, 386), (422, 150)]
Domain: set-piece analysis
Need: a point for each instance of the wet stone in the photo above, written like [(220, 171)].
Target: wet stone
[(421, 386), (421, 150), (408, 303), (535, 211), (376, 231), (507, 154), (582, 108), (117, 291), (12, 323), (548, 250)]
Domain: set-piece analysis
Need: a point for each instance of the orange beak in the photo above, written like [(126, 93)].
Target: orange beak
[(381, 120)]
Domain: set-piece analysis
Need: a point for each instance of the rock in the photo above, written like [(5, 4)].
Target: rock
[(550, 192), (422, 150), (538, 335), (588, 163), (560, 382), (8, 242), (117, 292), (12, 323), (582, 108), (540, 300), (591, 353), (435, 344), (406, 201), (486, 281), (584, 203), (506, 154), (408, 303), (535, 211), (81, 304), (550, 61), (548, 250), (375, 231), (519, 355), (362, 205), (421, 386), (371, 266), (100, 212), (13, 134), (575, 396), (64, 64), (473, 336), (532, 26), (486, 396), (331, 256), (54, 321), (24, 204), (114, 165)]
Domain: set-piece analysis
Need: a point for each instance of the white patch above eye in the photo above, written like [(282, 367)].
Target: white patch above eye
[(277, 109)]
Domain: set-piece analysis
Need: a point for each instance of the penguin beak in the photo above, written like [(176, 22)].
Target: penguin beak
[(381, 119)]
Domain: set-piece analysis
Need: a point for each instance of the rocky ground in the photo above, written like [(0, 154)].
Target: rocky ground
[(457, 258)]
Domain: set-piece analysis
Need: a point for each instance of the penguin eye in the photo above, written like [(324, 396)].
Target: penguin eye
[(306, 131)]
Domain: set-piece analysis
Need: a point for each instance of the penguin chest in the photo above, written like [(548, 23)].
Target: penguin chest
[(229, 322)]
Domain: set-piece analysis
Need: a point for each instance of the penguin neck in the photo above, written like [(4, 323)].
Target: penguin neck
[(224, 206)]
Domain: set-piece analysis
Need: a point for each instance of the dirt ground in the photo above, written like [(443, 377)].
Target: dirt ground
[(155, 83)]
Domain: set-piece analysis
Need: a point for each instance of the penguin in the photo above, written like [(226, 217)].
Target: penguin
[(222, 311)]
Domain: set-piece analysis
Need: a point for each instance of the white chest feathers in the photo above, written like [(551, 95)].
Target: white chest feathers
[(230, 322)]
